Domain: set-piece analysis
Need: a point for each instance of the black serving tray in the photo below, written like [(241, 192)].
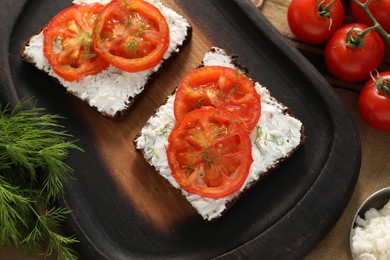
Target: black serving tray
[(122, 209)]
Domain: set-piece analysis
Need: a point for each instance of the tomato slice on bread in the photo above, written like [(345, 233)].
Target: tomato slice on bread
[(131, 35), (209, 152), (68, 42), (219, 87)]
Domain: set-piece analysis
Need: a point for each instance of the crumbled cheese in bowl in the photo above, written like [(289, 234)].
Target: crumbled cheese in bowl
[(371, 236)]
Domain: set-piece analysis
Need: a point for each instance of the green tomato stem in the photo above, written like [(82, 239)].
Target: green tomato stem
[(357, 41), (324, 10), (381, 84), (376, 25)]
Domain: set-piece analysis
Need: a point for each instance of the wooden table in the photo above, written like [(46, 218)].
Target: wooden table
[(375, 163)]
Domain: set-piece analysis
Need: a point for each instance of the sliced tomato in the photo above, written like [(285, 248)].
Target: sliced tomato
[(209, 152), (219, 87), (68, 42), (131, 35)]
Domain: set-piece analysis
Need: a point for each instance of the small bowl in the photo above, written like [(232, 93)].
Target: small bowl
[(377, 200)]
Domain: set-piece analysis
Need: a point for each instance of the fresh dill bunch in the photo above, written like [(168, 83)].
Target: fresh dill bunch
[(43, 229), (33, 150), (14, 212)]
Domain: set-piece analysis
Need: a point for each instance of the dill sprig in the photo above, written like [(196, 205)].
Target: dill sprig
[(33, 150)]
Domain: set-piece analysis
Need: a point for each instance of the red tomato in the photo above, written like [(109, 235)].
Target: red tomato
[(351, 63), (380, 9), (209, 152), (374, 102), (220, 87), (68, 43), (313, 21), (131, 35)]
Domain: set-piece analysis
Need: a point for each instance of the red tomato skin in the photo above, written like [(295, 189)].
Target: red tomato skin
[(89, 66), (249, 111), (308, 26), (353, 64), (128, 64), (374, 106), (380, 9), (186, 150)]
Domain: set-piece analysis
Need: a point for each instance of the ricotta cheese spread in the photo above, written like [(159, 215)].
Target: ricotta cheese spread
[(111, 90), (275, 136)]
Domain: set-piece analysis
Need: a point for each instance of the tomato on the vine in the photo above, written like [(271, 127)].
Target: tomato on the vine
[(220, 87), (131, 35), (314, 21), (351, 55), (380, 9), (209, 152), (374, 102), (68, 43)]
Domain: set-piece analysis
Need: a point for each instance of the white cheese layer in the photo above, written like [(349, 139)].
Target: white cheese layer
[(275, 136), (371, 235), (111, 90)]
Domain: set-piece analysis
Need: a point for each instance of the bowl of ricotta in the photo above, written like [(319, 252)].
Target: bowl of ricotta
[(370, 230)]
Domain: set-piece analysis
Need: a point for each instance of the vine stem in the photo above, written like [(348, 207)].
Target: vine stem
[(356, 41), (377, 25)]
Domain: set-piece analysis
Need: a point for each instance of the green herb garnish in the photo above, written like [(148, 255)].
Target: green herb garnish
[(33, 148)]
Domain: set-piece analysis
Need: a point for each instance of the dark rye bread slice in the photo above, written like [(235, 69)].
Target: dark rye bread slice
[(112, 92), (276, 137)]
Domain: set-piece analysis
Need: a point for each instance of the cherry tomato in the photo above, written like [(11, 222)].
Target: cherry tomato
[(68, 43), (374, 102), (131, 35), (380, 9), (220, 87), (350, 60), (314, 21), (209, 152)]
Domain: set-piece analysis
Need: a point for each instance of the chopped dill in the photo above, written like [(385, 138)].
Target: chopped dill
[(89, 55), (275, 140), (165, 131), (133, 45), (199, 102), (152, 152), (207, 157), (188, 169), (259, 133), (290, 134)]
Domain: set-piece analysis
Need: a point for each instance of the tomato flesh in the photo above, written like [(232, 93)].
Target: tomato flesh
[(131, 35), (68, 42), (374, 105), (209, 152), (219, 87)]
